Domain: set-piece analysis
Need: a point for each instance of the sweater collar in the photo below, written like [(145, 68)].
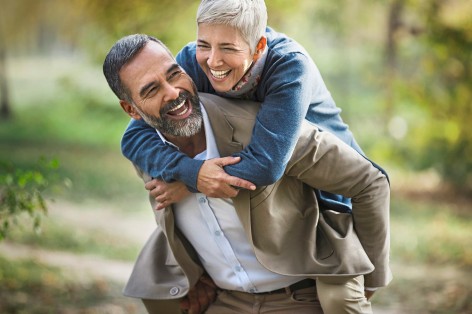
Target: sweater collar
[(247, 85)]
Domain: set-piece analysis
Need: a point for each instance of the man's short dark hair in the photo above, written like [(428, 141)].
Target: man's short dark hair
[(122, 52)]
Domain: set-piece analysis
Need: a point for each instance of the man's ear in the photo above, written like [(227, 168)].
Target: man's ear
[(130, 109), (260, 48)]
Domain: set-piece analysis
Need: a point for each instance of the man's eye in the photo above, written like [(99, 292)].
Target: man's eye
[(203, 47), (151, 92), (175, 74)]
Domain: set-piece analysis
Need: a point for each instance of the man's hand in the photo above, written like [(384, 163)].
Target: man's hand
[(368, 294), (199, 297), (213, 181), (166, 194)]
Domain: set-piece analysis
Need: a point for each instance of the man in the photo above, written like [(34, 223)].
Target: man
[(262, 248)]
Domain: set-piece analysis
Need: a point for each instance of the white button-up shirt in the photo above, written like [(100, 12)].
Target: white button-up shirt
[(213, 228)]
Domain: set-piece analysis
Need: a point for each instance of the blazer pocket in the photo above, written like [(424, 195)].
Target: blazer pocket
[(339, 223), (338, 229)]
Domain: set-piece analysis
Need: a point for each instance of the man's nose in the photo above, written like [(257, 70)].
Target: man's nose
[(170, 92)]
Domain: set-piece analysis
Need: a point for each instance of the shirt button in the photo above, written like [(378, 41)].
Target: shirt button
[(202, 200), (174, 291), (252, 290), (238, 268), (218, 233)]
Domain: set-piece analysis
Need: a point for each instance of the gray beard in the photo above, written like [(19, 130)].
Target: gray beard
[(181, 128), (186, 128)]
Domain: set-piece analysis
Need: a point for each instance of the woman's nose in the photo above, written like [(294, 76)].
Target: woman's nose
[(214, 58)]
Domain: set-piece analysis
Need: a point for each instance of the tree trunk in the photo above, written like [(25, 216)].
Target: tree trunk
[(394, 23), (5, 111)]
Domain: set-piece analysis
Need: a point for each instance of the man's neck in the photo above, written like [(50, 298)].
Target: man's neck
[(190, 146)]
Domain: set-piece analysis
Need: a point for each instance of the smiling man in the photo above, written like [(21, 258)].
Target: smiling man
[(273, 248), (177, 114)]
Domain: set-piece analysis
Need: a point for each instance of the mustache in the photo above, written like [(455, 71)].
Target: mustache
[(183, 96)]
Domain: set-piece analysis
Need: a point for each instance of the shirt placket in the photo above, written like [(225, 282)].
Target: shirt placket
[(223, 244)]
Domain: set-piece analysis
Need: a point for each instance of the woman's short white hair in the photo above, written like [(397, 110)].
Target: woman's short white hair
[(247, 16)]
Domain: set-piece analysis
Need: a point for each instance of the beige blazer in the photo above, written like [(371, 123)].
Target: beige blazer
[(290, 234)]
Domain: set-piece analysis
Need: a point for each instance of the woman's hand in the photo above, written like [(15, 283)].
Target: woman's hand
[(213, 181), (166, 194)]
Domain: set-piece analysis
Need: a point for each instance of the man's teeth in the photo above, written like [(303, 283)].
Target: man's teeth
[(219, 74), (177, 108)]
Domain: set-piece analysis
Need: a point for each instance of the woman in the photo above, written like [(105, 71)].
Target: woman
[(237, 56)]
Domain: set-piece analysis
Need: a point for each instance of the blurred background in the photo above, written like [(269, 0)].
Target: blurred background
[(73, 214)]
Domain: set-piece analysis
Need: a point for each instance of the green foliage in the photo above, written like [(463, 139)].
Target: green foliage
[(438, 80), (21, 192), (76, 119)]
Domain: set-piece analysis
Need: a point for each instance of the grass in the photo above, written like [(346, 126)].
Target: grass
[(75, 119), (431, 251), (431, 233)]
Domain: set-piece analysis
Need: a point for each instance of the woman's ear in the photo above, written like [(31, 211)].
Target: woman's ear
[(130, 110), (260, 48)]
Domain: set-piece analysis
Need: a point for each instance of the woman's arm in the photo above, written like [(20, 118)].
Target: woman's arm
[(292, 84), (141, 145), (287, 92)]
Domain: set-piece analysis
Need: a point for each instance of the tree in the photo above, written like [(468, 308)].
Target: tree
[(21, 191), (437, 78), (17, 20)]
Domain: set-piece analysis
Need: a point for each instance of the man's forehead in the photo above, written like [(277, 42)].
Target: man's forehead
[(152, 57), (153, 52)]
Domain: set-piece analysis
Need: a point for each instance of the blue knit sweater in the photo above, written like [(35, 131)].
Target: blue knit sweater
[(291, 89)]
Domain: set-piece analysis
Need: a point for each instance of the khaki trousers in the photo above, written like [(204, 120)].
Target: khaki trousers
[(325, 298)]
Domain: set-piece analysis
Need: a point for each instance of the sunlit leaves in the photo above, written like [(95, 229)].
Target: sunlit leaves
[(21, 193)]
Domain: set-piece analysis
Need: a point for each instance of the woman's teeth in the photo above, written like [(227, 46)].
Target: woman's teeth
[(220, 74)]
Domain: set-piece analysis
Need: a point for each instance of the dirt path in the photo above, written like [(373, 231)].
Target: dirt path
[(88, 266), (135, 227)]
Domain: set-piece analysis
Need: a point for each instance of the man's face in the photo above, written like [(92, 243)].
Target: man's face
[(161, 92)]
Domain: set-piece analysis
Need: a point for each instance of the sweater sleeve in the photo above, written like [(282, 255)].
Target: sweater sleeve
[(145, 149), (287, 91)]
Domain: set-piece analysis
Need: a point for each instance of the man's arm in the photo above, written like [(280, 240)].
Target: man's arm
[(324, 162)]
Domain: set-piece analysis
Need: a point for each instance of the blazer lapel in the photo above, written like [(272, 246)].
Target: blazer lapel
[(222, 128), (232, 123)]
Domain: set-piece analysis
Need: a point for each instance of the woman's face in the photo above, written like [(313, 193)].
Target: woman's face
[(223, 55)]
